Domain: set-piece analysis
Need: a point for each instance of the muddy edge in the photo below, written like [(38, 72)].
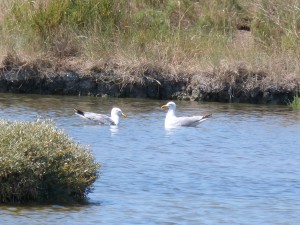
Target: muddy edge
[(238, 85)]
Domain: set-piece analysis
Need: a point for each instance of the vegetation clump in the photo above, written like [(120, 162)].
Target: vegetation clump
[(295, 104), (39, 163)]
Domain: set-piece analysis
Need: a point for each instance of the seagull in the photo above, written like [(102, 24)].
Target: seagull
[(113, 119), (173, 121)]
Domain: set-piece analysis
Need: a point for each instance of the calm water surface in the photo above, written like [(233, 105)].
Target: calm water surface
[(240, 167)]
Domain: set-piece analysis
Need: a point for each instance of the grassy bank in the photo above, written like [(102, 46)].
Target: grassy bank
[(42, 164), (178, 36), (295, 104)]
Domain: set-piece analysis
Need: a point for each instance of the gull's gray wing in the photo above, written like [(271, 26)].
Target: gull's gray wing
[(190, 121), (100, 118)]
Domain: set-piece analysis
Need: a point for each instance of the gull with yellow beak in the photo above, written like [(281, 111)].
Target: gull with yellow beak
[(189, 121), (113, 119)]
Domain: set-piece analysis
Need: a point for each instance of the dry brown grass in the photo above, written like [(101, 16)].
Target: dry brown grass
[(214, 46)]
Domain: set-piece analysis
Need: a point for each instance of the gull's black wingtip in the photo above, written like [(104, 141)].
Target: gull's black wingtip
[(79, 112), (207, 116)]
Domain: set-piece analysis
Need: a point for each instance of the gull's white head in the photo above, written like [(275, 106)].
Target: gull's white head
[(117, 112), (115, 115), (169, 105)]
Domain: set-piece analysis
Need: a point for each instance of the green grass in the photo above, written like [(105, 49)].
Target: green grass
[(108, 25), (40, 163), (94, 26), (295, 104), (186, 35)]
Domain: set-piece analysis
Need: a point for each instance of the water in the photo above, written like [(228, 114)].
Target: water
[(239, 167)]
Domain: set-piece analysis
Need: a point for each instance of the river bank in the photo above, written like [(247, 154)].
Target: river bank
[(111, 80), (148, 81), (226, 51)]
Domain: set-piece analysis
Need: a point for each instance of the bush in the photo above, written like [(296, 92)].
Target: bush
[(42, 164)]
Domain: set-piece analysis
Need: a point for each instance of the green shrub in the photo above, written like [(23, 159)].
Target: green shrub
[(42, 164)]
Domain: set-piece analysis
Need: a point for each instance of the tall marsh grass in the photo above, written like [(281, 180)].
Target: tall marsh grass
[(184, 35)]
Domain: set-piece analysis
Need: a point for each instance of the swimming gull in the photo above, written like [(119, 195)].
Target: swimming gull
[(189, 121), (113, 119)]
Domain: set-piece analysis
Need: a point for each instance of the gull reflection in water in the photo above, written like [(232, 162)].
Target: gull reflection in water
[(114, 129)]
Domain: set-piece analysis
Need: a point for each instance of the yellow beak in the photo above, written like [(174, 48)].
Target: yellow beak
[(124, 115), (165, 107)]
